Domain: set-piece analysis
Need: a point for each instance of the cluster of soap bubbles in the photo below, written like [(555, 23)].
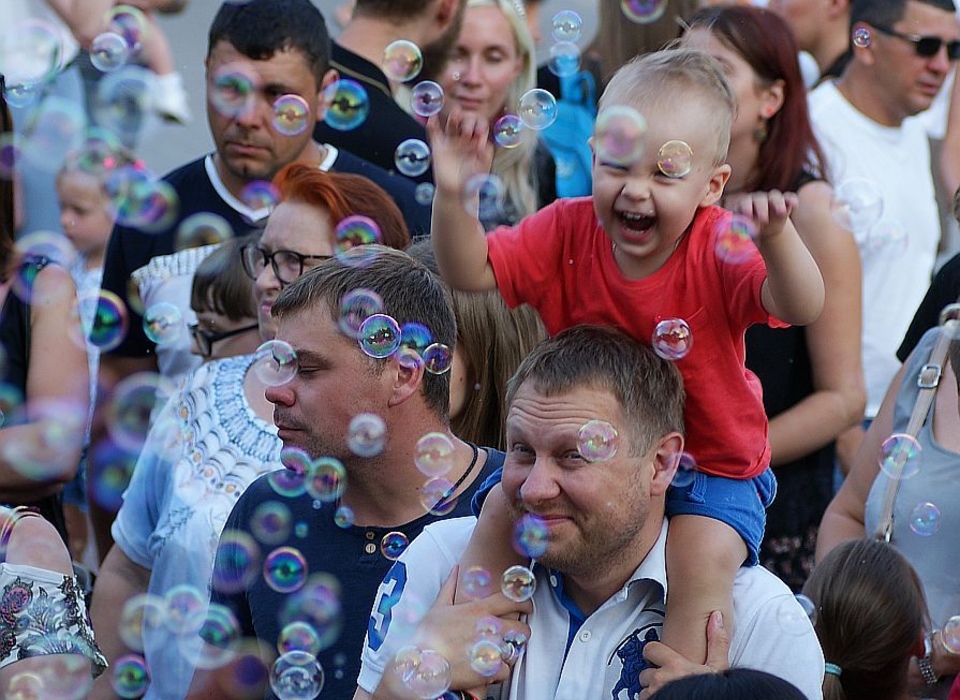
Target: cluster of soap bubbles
[(121, 41), (567, 28)]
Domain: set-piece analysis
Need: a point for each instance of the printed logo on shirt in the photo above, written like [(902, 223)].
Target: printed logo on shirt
[(388, 595), (630, 654)]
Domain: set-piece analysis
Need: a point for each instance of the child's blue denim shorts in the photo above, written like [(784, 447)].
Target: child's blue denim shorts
[(740, 503)]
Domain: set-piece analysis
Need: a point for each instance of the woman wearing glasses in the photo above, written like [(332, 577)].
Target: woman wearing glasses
[(216, 434)]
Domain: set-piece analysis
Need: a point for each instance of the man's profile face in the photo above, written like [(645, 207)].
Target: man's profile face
[(906, 82), (241, 96), (593, 511)]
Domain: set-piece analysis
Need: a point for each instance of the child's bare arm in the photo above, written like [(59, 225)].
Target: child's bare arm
[(460, 150), (793, 290), (703, 556)]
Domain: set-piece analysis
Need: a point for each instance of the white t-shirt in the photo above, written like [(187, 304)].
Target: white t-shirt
[(604, 657), (896, 268)]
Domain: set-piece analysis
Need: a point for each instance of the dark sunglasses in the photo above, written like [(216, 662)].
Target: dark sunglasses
[(287, 265), (205, 339), (926, 46)]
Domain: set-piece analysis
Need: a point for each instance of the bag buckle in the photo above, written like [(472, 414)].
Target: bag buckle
[(929, 376)]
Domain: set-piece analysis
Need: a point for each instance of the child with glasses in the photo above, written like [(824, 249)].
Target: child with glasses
[(222, 298)]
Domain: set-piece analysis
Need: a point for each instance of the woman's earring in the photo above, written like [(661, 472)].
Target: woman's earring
[(761, 133)]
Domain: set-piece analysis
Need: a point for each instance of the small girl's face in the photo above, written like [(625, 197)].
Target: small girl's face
[(84, 213)]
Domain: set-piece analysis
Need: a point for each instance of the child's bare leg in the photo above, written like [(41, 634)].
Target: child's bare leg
[(703, 556), (489, 548), (155, 49)]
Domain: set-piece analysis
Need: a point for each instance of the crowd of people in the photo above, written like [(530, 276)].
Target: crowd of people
[(362, 405)]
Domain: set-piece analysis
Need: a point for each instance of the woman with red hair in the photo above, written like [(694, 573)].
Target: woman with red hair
[(812, 377)]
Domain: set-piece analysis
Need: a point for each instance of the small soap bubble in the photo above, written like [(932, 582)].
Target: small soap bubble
[(508, 131), (367, 435), (285, 569), (111, 475), (476, 583), (185, 606), (108, 51), (237, 562), (343, 517), (233, 91), (139, 200), (317, 604), (412, 157), (48, 245), (437, 358), (530, 536), (435, 496), (129, 408), (220, 630), (327, 479), (564, 59), (296, 675), (140, 613), (887, 235), (23, 95), (597, 441), (518, 583), (291, 115), (275, 362), (424, 194), (567, 26), (861, 37), (124, 102), (426, 98), (643, 11), (379, 336), (402, 61), (950, 635), (857, 205), (675, 159), (537, 109), (298, 636), (129, 22), (672, 339), (489, 627), (163, 323), (357, 306), (260, 194), (485, 658), (353, 231), (393, 544), (295, 461), (796, 615), (900, 456), (201, 229), (434, 454), (130, 676), (271, 522), (415, 336), (620, 136), (925, 519), (347, 105), (735, 240), (686, 471), (484, 195)]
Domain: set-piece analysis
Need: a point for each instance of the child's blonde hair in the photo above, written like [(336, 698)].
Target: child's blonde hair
[(665, 78)]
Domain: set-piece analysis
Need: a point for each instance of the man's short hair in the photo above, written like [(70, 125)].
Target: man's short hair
[(392, 9), (886, 13), (260, 28), (668, 76), (410, 294), (648, 388)]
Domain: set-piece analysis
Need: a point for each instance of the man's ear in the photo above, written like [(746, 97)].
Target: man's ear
[(864, 54), (666, 459), (718, 180), (446, 11), (329, 78), (405, 376)]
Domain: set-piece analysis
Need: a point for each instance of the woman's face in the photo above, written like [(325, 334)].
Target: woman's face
[(754, 102), (484, 64)]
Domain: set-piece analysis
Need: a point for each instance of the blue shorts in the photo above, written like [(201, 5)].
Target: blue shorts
[(740, 503)]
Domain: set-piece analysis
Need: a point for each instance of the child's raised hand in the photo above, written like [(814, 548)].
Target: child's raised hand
[(769, 211), (460, 148)]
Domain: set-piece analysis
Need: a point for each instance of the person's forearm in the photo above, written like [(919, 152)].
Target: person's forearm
[(459, 242), (810, 424), (836, 528), (793, 278)]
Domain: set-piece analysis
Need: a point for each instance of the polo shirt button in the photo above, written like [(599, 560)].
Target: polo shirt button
[(585, 636), (370, 548)]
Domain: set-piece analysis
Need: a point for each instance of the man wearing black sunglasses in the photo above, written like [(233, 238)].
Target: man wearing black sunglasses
[(902, 52)]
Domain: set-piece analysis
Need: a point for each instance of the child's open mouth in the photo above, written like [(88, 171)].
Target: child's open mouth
[(640, 223)]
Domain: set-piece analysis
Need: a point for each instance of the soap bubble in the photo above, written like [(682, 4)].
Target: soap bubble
[(237, 562), (124, 102), (343, 517), (415, 336), (735, 239), (530, 536), (686, 471), (435, 496), (291, 115), (298, 636), (564, 59), (620, 136), (366, 435), (260, 194), (185, 606), (597, 441), (434, 454), (925, 519), (900, 456), (379, 336), (51, 131), (537, 109), (163, 323), (354, 231), (275, 362), (567, 26), (129, 408), (326, 479), (108, 52), (357, 306), (426, 98), (30, 54), (437, 358), (861, 37), (130, 23), (201, 229), (675, 159), (476, 583), (393, 544), (508, 131), (424, 194), (296, 675), (857, 205), (412, 157), (423, 672), (672, 339), (347, 105), (402, 61), (887, 235), (485, 658), (643, 11), (220, 630), (950, 635), (484, 195), (271, 522), (233, 90), (518, 583), (285, 569), (131, 678)]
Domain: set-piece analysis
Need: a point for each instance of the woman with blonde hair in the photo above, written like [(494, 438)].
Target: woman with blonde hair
[(491, 68)]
